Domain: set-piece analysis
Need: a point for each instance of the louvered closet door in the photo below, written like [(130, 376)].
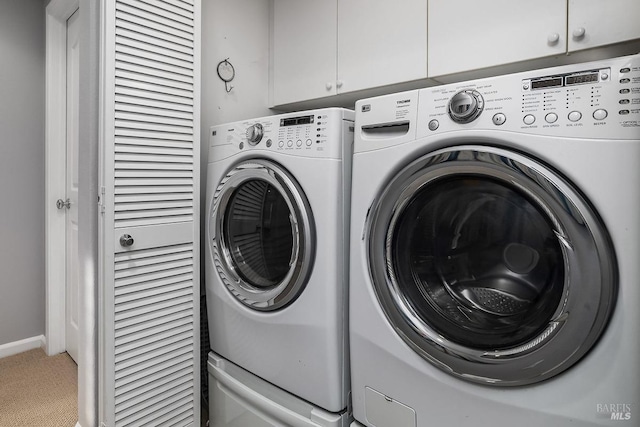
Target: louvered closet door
[(149, 320)]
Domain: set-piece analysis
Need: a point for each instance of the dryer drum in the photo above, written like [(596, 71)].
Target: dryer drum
[(261, 235), (491, 265)]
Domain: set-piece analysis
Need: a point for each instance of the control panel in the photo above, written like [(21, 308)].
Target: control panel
[(315, 133), (594, 100)]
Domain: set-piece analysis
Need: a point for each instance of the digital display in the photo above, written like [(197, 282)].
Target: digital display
[(563, 80), (546, 83), (582, 78), (293, 121)]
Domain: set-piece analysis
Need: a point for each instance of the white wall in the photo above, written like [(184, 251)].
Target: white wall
[(22, 96), (238, 30)]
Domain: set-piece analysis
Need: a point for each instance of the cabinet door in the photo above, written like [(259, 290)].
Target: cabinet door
[(304, 50), (595, 23), (466, 35), (381, 42)]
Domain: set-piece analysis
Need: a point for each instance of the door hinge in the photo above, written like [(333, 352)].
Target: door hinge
[(101, 200)]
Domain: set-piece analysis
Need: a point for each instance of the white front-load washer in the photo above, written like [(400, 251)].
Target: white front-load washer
[(277, 269), (495, 248)]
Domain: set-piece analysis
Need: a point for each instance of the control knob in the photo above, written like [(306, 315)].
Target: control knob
[(465, 106), (255, 133)]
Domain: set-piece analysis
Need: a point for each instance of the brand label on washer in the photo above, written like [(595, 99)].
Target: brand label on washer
[(402, 108)]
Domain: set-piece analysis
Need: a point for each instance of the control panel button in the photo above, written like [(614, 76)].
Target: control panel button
[(624, 101), (623, 112), (289, 143), (499, 119), (624, 90), (309, 142), (280, 144), (625, 70), (529, 119), (604, 76), (600, 114), (241, 145), (575, 116), (299, 143), (269, 143), (433, 124), (551, 117), (624, 80)]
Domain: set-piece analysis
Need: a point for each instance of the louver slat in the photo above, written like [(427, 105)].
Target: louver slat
[(136, 94), (140, 43), (122, 23), (177, 7), (160, 340), (152, 87), (153, 58), (174, 15), (148, 317), (154, 111), (161, 59), (133, 400), (170, 375)]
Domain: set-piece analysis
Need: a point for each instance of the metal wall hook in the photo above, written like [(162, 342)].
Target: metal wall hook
[(226, 72)]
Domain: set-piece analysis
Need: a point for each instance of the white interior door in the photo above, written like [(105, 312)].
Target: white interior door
[(149, 358), (72, 283)]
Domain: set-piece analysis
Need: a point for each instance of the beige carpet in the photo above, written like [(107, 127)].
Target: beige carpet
[(36, 390)]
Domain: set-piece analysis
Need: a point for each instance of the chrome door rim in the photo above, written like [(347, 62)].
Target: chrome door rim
[(588, 255), (301, 218)]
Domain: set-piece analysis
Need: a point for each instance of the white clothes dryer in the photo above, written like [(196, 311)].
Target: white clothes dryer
[(495, 243), (276, 254)]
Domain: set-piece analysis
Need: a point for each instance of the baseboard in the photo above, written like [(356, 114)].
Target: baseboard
[(16, 347)]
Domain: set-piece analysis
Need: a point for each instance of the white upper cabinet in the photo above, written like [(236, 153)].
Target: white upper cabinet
[(466, 35), (595, 23), (304, 50), (328, 47), (381, 42), (331, 47)]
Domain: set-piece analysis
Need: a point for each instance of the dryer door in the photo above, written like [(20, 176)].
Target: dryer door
[(261, 235), (490, 265)]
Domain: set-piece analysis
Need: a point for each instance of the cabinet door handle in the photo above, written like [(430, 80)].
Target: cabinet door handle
[(553, 38), (329, 85), (578, 33), (339, 84)]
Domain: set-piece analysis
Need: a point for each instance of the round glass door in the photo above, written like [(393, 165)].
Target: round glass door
[(490, 265), (261, 235)]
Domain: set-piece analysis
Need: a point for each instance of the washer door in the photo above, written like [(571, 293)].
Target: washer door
[(490, 265), (261, 235)]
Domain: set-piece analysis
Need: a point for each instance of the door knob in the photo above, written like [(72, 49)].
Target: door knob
[(63, 204), (126, 240)]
